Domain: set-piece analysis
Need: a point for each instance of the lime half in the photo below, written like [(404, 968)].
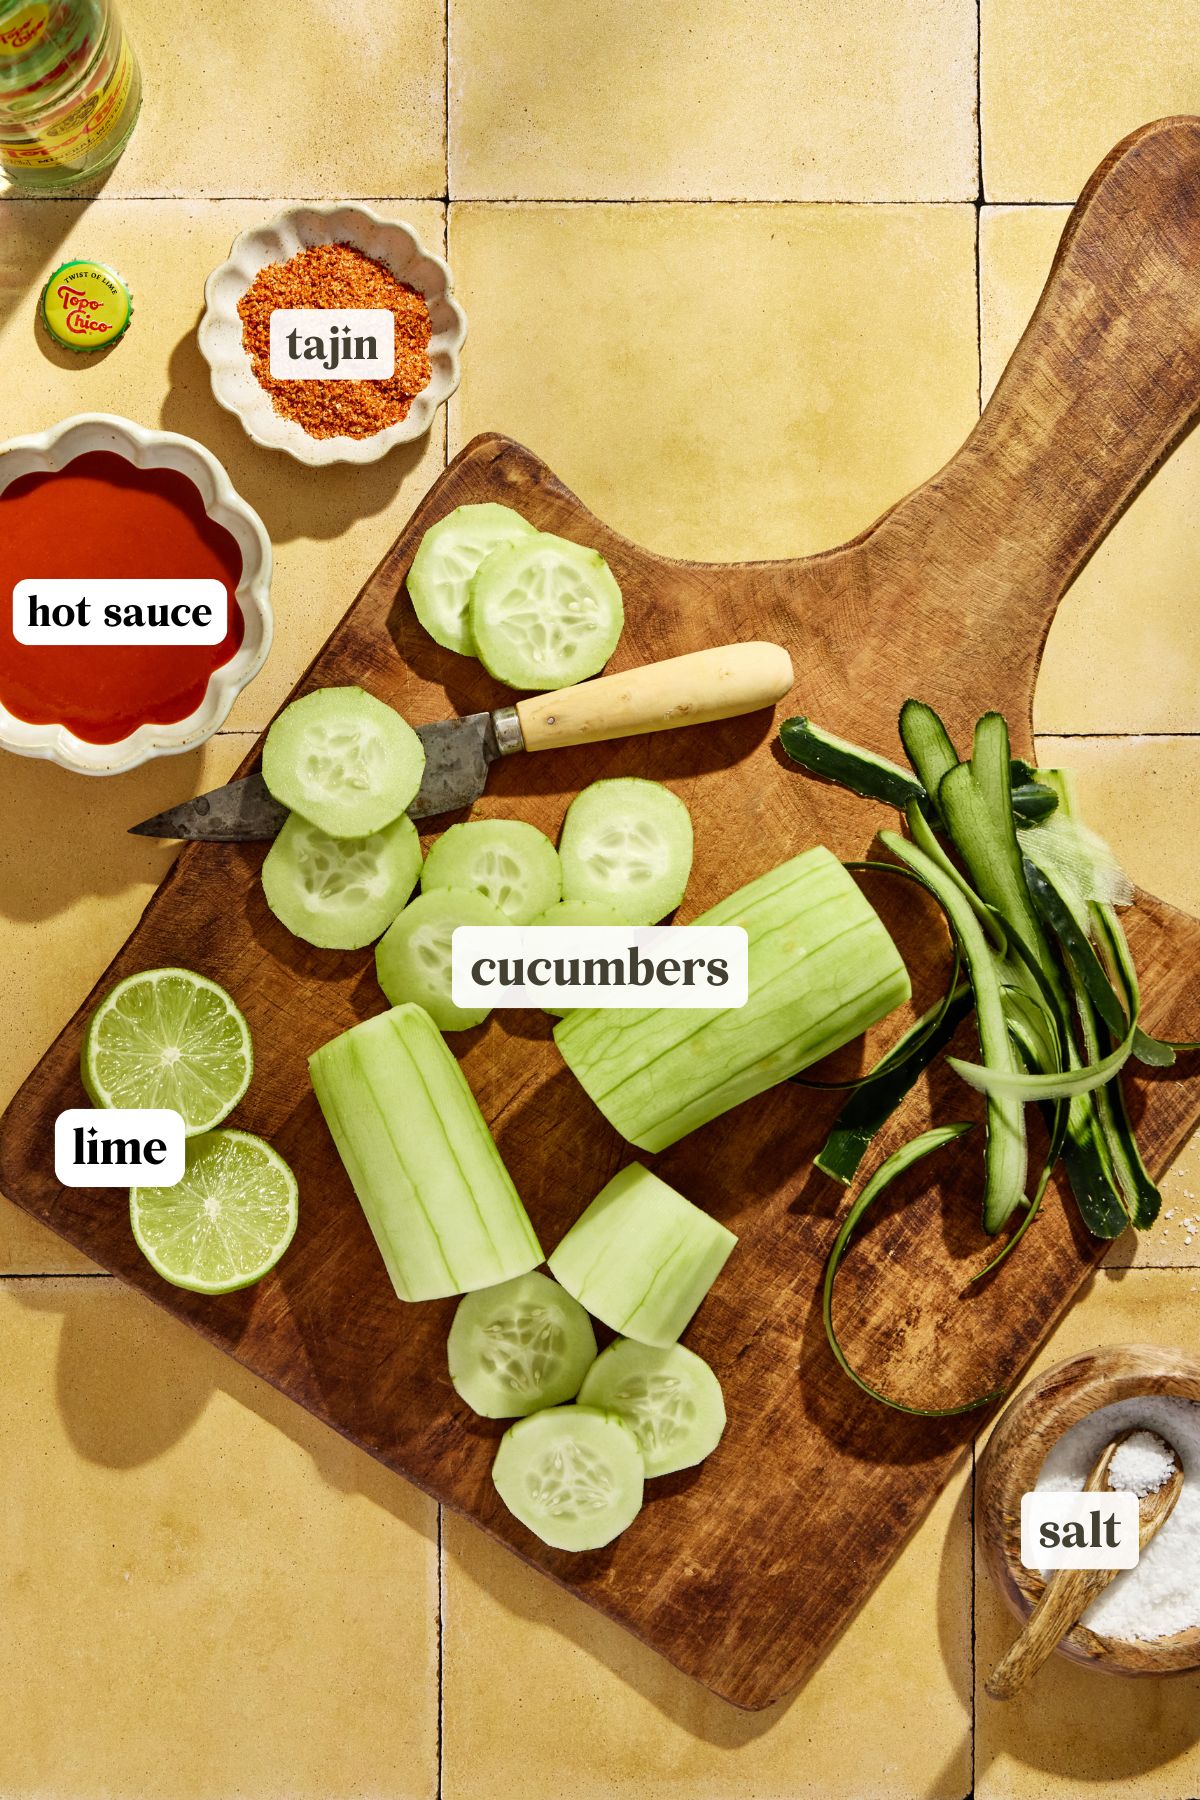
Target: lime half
[(226, 1223), (168, 1038)]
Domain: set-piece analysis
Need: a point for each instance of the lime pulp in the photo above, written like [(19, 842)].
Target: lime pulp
[(229, 1220), (168, 1037)]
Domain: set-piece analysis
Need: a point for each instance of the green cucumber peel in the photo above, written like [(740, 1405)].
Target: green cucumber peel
[(1032, 801), (1058, 1132), (1156, 1053), (869, 1109), (1033, 1028), (1054, 908), (924, 837), (1055, 1084), (975, 801), (1005, 1154), (834, 759), (912, 1041), (927, 745), (895, 1165), (1090, 1173)]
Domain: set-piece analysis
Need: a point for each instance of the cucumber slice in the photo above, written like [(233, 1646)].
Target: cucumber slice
[(573, 1475), (512, 864), (413, 957), (577, 912), (545, 613), (642, 1258), (340, 893), (627, 842), (439, 581), (440, 1203), (670, 1399), (518, 1347), (343, 760)]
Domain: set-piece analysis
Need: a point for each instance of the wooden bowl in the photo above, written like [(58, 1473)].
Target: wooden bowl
[(1027, 1429)]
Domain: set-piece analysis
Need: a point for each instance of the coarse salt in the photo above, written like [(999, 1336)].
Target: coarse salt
[(1141, 1464), (1162, 1595)]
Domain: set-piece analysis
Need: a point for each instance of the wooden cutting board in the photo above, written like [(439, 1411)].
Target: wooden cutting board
[(743, 1571)]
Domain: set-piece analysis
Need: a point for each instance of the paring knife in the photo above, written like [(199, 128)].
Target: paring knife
[(684, 690)]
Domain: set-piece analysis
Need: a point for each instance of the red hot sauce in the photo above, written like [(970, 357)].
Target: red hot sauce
[(103, 518)]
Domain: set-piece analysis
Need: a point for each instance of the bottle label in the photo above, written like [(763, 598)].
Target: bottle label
[(21, 33), (74, 138)]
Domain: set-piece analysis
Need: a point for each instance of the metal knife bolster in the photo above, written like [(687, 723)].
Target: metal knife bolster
[(506, 728)]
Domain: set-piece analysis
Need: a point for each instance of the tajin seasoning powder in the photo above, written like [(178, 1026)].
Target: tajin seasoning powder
[(338, 275)]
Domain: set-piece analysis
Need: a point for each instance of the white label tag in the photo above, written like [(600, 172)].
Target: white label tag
[(599, 965), (1079, 1531), (119, 1146), (120, 612), (333, 343)]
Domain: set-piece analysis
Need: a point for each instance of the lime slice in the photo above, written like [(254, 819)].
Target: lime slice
[(168, 1038), (226, 1223)]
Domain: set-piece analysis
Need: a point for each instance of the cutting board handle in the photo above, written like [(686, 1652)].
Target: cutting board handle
[(1100, 388)]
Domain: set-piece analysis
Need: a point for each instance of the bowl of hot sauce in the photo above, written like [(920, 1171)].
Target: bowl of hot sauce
[(100, 498)]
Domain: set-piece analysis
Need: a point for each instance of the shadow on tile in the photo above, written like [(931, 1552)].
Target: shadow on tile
[(128, 1416), (63, 836), (24, 244), (293, 500)]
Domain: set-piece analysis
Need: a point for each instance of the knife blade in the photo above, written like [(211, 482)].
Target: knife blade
[(458, 754), (697, 688)]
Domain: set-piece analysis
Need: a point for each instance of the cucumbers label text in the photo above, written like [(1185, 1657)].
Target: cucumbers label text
[(599, 965)]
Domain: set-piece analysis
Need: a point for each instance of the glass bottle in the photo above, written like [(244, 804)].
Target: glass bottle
[(70, 90)]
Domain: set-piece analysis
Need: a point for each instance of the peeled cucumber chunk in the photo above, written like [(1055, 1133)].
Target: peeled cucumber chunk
[(545, 612), (518, 1347), (439, 1201), (823, 969), (642, 1258), (627, 842), (340, 893), (573, 1475), (439, 581), (514, 865), (343, 760), (670, 1399), (413, 957)]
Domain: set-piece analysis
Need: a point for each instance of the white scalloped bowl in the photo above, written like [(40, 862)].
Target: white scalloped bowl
[(147, 449), (391, 242)]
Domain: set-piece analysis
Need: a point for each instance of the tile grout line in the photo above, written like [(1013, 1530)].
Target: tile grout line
[(580, 200), (979, 200), (974, 1583), (56, 1275)]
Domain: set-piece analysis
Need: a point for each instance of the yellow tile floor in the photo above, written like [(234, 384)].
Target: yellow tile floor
[(734, 271)]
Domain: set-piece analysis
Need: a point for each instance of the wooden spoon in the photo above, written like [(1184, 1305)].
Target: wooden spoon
[(1069, 1592)]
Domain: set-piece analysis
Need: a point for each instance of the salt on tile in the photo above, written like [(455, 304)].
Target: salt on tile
[(1162, 1595)]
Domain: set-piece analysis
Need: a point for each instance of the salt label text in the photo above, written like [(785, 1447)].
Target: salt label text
[(1079, 1531)]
